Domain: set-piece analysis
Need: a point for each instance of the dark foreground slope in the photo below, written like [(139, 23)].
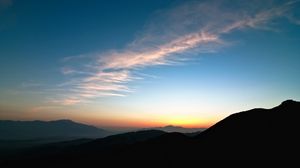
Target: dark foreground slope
[(257, 126), (258, 137)]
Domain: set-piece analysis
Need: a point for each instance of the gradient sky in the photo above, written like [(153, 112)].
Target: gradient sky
[(141, 63)]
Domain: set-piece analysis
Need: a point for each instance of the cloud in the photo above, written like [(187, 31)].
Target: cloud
[(158, 55), (170, 37), (70, 101), (67, 70)]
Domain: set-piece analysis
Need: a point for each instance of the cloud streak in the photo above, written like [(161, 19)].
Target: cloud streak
[(129, 59), (193, 26)]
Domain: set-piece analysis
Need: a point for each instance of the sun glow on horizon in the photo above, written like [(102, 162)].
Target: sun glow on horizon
[(186, 121), (189, 63), (182, 121)]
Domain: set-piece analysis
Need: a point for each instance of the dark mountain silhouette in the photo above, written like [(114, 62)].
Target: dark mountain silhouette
[(171, 128), (258, 137), (29, 130), (62, 151), (256, 126), (168, 128), (109, 141), (126, 138)]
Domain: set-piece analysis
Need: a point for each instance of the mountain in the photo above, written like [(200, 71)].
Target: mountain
[(258, 137), (88, 147), (30, 130), (171, 128), (168, 128), (127, 138), (113, 142), (264, 135), (257, 125)]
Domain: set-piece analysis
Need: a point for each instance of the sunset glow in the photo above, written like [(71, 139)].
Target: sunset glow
[(146, 63)]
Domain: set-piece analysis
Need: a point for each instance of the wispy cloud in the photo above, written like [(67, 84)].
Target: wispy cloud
[(167, 39), (67, 70), (158, 55)]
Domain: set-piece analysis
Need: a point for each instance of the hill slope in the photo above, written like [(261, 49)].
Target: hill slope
[(258, 137), (171, 128)]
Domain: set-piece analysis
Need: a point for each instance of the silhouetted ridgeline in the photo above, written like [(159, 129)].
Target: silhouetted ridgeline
[(258, 137), (171, 128), (29, 130)]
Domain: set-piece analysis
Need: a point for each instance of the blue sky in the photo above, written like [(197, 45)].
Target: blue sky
[(146, 63)]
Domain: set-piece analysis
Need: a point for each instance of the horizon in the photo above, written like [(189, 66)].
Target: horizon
[(116, 128), (132, 128), (143, 64)]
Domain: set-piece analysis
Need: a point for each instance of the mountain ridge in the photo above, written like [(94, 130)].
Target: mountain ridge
[(266, 137), (37, 129), (174, 128)]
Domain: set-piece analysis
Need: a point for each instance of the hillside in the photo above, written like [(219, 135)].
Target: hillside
[(265, 137)]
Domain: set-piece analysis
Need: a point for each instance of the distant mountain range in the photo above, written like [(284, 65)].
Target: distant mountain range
[(171, 128), (258, 137), (66, 129), (60, 129), (18, 135)]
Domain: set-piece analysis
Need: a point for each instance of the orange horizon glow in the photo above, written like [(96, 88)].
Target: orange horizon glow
[(126, 121), (172, 64), (148, 124)]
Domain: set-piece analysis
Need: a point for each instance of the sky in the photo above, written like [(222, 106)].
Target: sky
[(140, 63)]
